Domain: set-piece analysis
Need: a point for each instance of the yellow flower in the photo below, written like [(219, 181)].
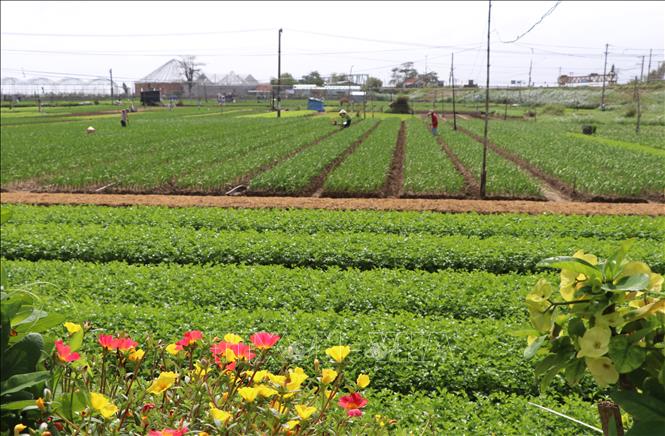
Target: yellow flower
[(229, 355), (198, 371), (18, 428), (172, 349), (362, 381), (163, 382), (593, 260), (304, 412), (266, 391), (219, 416), (541, 291), (279, 407), (232, 338), (279, 380), (259, 376), (72, 328), (328, 394), (39, 402), (296, 378), (292, 424), (204, 433), (540, 316), (338, 353), (602, 370), (102, 404), (136, 355), (248, 394), (328, 376), (595, 342)]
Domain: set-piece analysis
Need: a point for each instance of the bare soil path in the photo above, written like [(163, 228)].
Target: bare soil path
[(395, 183), (439, 205)]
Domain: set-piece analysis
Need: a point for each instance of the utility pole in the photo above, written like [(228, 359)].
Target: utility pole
[(452, 83), (642, 71), (530, 65), (639, 112), (483, 174), (111, 74), (602, 95), (279, 73), (649, 67)]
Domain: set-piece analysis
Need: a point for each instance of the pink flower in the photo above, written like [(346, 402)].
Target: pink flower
[(263, 340), (353, 401), (354, 412), (108, 342), (65, 352), (168, 432), (147, 407), (189, 338), (241, 350), (124, 344)]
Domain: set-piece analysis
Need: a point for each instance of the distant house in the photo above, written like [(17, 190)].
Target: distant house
[(168, 79)]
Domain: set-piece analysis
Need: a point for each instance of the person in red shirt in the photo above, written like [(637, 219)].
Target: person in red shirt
[(434, 122)]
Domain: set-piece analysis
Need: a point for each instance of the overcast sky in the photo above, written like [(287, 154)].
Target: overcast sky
[(85, 39)]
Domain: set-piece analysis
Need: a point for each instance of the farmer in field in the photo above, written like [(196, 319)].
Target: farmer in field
[(123, 118), (346, 119), (434, 121)]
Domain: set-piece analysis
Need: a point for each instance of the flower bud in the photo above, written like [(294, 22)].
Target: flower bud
[(43, 426), (316, 365), (47, 394)]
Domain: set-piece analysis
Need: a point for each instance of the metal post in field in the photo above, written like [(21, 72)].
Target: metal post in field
[(602, 95), (279, 73), (483, 174)]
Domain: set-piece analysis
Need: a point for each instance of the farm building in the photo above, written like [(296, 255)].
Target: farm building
[(168, 79)]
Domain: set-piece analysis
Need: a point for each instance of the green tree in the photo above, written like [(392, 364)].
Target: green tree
[(312, 78), (402, 73), (287, 80), (374, 83)]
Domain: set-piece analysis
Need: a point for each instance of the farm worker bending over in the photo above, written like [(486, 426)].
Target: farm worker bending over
[(434, 121), (346, 119), (123, 118)]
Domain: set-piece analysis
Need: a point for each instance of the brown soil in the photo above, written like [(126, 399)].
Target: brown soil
[(315, 187), (439, 205), (395, 182), (471, 186)]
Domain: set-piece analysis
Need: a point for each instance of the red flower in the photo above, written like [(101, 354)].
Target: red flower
[(353, 401), (124, 344), (147, 407), (263, 340), (108, 342), (65, 352), (189, 338), (354, 412)]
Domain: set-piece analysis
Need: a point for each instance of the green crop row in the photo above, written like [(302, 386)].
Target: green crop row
[(459, 295), (427, 170), (503, 177), (404, 353), (148, 244), (367, 169), (296, 174), (650, 136), (587, 166), (316, 221)]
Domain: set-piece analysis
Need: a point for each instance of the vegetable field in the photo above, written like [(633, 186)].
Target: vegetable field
[(211, 151), (427, 301)]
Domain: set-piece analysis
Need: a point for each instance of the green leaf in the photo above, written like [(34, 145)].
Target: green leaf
[(17, 405), (644, 428), (613, 263), (641, 407), (5, 214), (70, 403), (574, 371), (531, 350), (638, 282), (76, 340), (625, 355), (571, 263), (576, 328), (23, 356), (20, 382), (42, 323)]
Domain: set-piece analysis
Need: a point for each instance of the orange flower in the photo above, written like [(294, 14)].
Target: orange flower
[(65, 352)]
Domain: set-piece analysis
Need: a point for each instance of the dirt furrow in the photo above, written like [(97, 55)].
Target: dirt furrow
[(471, 186)]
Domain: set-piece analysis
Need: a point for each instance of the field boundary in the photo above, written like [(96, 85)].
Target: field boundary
[(436, 205), (625, 145)]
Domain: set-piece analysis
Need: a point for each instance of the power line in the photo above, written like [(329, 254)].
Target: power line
[(537, 23), (130, 35)]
